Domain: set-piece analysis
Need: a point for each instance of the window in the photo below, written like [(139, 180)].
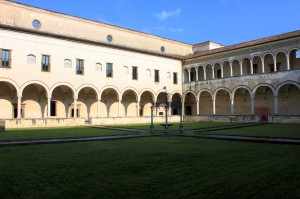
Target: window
[(79, 66), (156, 75), (175, 80), (31, 59), (109, 70), (98, 67), (255, 68), (134, 72), (67, 63), (36, 24), (298, 54), (5, 58), (219, 73), (109, 38), (125, 70), (168, 75), (45, 63)]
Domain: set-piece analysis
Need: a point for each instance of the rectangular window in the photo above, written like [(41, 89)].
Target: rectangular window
[(134, 72), (156, 75), (109, 70), (45, 63), (79, 66), (5, 58), (175, 80)]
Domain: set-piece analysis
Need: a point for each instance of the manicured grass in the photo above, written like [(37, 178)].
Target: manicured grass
[(39, 133), (268, 130), (175, 126), (156, 167)]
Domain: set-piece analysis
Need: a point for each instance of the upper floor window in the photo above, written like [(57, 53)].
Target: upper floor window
[(79, 66), (125, 70), (98, 67), (255, 68), (45, 63), (109, 70), (5, 58), (36, 24), (31, 59), (67, 63), (168, 75), (175, 80), (134, 72), (156, 75), (219, 73)]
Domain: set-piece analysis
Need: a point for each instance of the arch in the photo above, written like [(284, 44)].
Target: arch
[(98, 66), (261, 85), (186, 75), (293, 58), (288, 94), (236, 67), (190, 103), (205, 97), (62, 84), (31, 59), (132, 89), (17, 87), (242, 100), (222, 88), (280, 51), (268, 53), (205, 90), (67, 63), (218, 70), (176, 92), (246, 65), (185, 93), (294, 48), (88, 86), (226, 68), (209, 71), (201, 73), (162, 91), (147, 90), (110, 87), (193, 74), (238, 87), (281, 60), (257, 63), (286, 83), (222, 101), (38, 83), (8, 99)]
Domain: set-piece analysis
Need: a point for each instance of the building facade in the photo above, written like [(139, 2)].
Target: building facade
[(59, 70)]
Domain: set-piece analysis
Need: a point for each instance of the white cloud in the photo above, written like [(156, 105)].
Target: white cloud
[(167, 14)]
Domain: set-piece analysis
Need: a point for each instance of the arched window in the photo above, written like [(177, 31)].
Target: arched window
[(148, 73), (67, 63), (98, 67), (125, 70), (31, 59), (168, 75)]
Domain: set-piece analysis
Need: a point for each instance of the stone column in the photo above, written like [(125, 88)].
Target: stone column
[(204, 72), (170, 109), (189, 79), (241, 68), (232, 105), (49, 107), (197, 107), (214, 106), (138, 108), (252, 105), (98, 108), (119, 107), (251, 67), (75, 108), (276, 105), (222, 72), (183, 108), (262, 65), (288, 62), (19, 107), (231, 72), (213, 72), (275, 64), (197, 75)]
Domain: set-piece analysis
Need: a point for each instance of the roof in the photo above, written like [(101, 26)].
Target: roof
[(246, 44)]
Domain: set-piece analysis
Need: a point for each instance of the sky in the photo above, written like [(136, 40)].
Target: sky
[(226, 22)]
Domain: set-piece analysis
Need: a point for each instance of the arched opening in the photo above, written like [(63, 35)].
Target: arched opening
[(242, 102), (62, 102), (146, 103), (162, 98), (209, 72), (34, 101), (8, 101), (288, 100), (205, 103), (236, 69), (246, 66), (223, 106), (294, 59), (190, 104), (193, 74), (281, 61), (176, 99), (264, 104), (257, 64), (201, 73), (109, 104), (185, 76), (129, 104), (226, 69), (218, 70), (269, 63), (87, 103)]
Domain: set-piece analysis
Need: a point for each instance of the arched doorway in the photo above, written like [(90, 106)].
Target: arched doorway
[(109, 103), (8, 101), (190, 106), (129, 104), (288, 100), (176, 99), (87, 103), (146, 101), (62, 102)]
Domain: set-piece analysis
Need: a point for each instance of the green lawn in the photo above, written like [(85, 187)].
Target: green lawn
[(38, 133), (155, 167), (268, 130)]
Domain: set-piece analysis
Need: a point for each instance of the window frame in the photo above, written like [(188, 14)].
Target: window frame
[(45, 67), (7, 62), (79, 66), (156, 76), (134, 73), (109, 71), (175, 78)]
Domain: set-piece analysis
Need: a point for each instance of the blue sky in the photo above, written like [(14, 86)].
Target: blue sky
[(190, 21)]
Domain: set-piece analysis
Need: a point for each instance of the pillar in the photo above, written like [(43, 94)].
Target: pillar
[(213, 72), (231, 73), (197, 107), (98, 107), (75, 108), (241, 68), (119, 107), (214, 106), (197, 75), (138, 108), (19, 107), (252, 104), (232, 105), (288, 62), (251, 67), (204, 71), (183, 108), (222, 72), (263, 65), (275, 64), (49, 107), (276, 105), (189, 79)]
